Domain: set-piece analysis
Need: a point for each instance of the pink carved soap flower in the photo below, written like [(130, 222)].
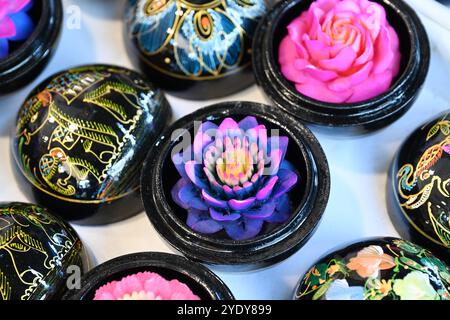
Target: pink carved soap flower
[(15, 24), (145, 286), (341, 51), (234, 177)]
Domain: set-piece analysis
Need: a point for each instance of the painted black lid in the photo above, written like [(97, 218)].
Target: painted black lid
[(38, 252), (81, 138), (196, 49), (418, 186)]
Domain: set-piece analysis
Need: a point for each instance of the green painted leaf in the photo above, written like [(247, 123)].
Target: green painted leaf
[(321, 290), (433, 131), (445, 129), (411, 263)]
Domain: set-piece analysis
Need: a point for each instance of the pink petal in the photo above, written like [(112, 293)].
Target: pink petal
[(383, 53), (321, 92), (319, 74), (345, 83), (342, 62), (317, 50), (7, 28), (368, 51), (373, 86)]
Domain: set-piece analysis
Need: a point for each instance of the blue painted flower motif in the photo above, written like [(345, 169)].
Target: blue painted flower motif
[(15, 24), (234, 177), (208, 38)]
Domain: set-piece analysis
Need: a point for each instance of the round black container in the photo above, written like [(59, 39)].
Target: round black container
[(203, 66), (27, 61), (81, 138), (38, 253), (203, 283), (398, 270), (363, 116), (309, 197), (417, 190)]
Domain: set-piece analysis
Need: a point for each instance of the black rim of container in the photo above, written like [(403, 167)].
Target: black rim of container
[(263, 250), (26, 62), (198, 276), (376, 112)]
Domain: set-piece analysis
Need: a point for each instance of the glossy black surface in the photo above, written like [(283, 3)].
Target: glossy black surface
[(356, 117), (418, 188), (36, 250), (195, 49), (309, 197), (27, 61), (81, 138), (198, 278), (377, 269)]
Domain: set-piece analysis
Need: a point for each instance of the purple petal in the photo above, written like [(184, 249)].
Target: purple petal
[(203, 137), (262, 137), (265, 192), (24, 26), (4, 48), (201, 222), (287, 180), (243, 229), (239, 205), (209, 199), (195, 172), (282, 211), (263, 212), (275, 161), (248, 123), (186, 195), (446, 148), (223, 216), (278, 142), (228, 191), (228, 124), (287, 165)]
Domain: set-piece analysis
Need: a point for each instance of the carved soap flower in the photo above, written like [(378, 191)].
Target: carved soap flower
[(234, 177), (341, 51), (15, 24), (145, 286)]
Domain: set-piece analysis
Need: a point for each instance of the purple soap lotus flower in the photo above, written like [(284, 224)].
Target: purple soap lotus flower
[(15, 24), (234, 177)]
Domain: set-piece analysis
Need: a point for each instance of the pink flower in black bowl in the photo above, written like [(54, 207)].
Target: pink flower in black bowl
[(237, 180)]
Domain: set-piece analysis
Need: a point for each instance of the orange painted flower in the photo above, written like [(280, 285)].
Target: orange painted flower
[(369, 261)]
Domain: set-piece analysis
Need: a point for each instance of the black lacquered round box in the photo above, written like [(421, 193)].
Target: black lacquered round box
[(196, 49), (81, 138), (418, 186), (27, 59), (376, 269), (38, 253), (354, 117), (211, 192), (203, 283)]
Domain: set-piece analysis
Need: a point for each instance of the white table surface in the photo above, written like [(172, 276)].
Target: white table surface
[(358, 165)]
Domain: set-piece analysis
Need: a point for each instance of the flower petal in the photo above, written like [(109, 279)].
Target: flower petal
[(23, 25), (200, 221), (187, 196), (321, 92), (287, 180), (248, 123), (263, 212), (210, 200), (228, 127), (243, 229), (266, 191), (7, 28), (195, 172), (383, 54), (203, 137), (4, 48), (239, 205), (282, 211), (340, 63), (223, 216)]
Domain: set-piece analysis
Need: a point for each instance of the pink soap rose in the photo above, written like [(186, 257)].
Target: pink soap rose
[(341, 51)]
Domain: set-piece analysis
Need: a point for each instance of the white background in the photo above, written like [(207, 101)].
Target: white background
[(358, 165)]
